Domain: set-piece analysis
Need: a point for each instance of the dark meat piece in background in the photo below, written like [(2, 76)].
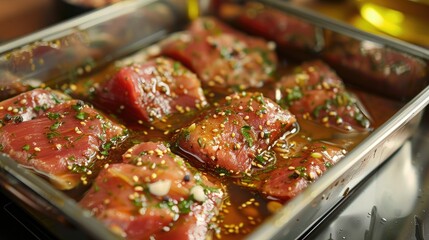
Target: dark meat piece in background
[(314, 91), (66, 143), (154, 194), (29, 105), (377, 68), (290, 33), (302, 166), (221, 56), (151, 92), (229, 137)]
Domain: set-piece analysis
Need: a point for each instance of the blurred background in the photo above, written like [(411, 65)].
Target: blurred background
[(402, 19)]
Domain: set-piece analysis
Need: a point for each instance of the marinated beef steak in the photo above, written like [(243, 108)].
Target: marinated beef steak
[(151, 91), (229, 137), (221, 56), (29, 105), (304, 166), (315, 92), (288, 32), (376, 67), (154, 194), (66, 143)]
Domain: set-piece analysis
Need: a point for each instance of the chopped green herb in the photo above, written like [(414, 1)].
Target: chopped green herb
[(201, 142), (221, 171), (316, 111), (245, 131), (26, 147), (176, 67), (53, 116), (328, 164), (56, 99), (260, 159), (294, 94), (52, 134), (81, 115), (185, 206), (55, 126)]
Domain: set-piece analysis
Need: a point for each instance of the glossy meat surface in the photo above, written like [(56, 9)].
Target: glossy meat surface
[(314, 91), (377, 68), (29, 105), (221, 56), (230, 136), (151, 91), (304, 165), (288, 32), (66, 143), (154, 194)]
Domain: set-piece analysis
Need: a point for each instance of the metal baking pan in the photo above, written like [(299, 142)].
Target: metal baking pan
[(93, 40)]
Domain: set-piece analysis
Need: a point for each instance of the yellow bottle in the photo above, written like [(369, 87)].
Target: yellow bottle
[(404, 19)]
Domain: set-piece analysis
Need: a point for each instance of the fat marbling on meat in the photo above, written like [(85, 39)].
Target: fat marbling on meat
[(221, 56), (228, 137), (66, 142), (154, 194)]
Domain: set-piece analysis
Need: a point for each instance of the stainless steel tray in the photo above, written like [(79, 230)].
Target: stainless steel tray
[(100, 37)]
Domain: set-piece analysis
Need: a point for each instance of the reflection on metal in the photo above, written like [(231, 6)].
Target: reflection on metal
[(419, 228), (369, 234)]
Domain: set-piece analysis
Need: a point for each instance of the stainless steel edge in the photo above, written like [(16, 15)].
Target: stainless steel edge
[(302, 212), (36, 192)]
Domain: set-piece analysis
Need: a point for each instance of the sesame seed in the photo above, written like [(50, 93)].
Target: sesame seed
[(135, 178), (215, 130), (312, 175), (159, 152), (77, 130), (325, 119), (37, 149), (246, 118), (316, 155)]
